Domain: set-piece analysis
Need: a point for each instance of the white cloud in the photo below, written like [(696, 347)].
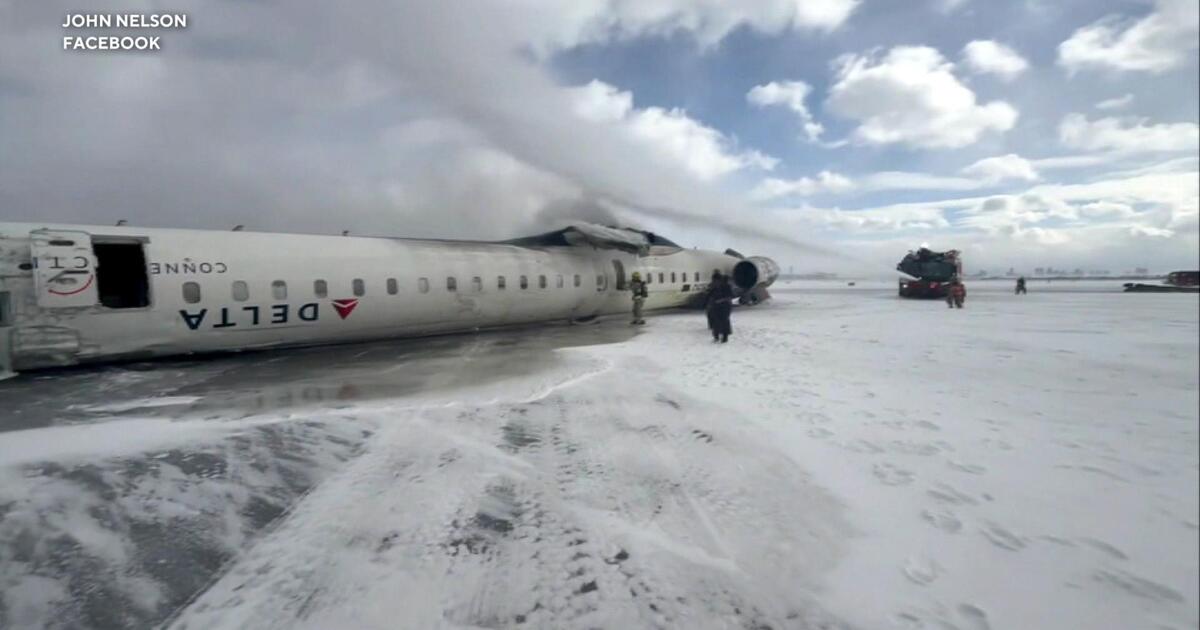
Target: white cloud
[(876, 220), (1150, 231), (1012, 212), (790, 94), (600, 102), (911, 96), (1129, 134), (982, 174), (669, 133), (1073, 161), (568, 24), (906, 180), (949, 6), (1164, 184), (985, 56), (1107, 209), (825, 181), (1119, 102), (1149, 217), (1179, 190), (1041, 235), (1161, 202), (1001, 168), (1108, 219), (1156, 43)]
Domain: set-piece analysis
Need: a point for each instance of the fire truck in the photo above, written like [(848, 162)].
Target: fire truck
[(931, 273)]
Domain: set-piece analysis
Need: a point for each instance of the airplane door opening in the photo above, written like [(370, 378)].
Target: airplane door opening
[(121, 274), (619, 269)]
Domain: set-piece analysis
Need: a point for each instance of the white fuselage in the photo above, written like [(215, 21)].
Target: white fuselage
[(210, 291)]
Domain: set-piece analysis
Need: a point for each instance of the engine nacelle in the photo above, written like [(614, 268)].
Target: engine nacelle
[(755, 271), (752, 276)]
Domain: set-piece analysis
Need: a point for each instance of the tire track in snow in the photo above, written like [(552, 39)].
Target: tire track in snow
[(576, 510)]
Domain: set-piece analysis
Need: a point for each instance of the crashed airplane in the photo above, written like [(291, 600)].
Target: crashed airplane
[(76, 294)]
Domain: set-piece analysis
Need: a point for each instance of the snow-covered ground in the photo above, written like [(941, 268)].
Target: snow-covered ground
[(849, 459)]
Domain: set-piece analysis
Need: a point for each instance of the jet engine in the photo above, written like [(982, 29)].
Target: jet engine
[(752, 276)]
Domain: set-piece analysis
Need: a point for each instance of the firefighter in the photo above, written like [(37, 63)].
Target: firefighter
[(638, 288), (1021, 285), (720, 307), (956, 295)]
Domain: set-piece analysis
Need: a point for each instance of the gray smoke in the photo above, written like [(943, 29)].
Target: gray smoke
[(562, 212), (413, 118)]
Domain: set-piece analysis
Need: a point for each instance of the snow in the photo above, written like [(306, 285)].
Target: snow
[(849, 460), (1027, 462), (143, 403)]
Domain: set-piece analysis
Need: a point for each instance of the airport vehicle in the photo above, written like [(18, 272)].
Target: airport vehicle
[(930, 271), (1183, 278), (1176, 282), (72, 294)]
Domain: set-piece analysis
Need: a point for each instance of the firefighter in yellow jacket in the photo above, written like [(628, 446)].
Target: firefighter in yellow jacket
[(956, 295), (638, 288)]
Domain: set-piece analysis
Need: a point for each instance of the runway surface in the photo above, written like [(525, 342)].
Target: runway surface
[(848, 460)]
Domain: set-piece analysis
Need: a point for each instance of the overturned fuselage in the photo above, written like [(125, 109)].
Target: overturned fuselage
[(72, 294)]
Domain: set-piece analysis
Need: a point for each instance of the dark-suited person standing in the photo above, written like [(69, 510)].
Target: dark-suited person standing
[(708, 303), (720, 308)]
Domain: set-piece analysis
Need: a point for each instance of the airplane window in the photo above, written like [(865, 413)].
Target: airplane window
[(358, 287), (578, 280), (524, 282), (601, 282), (279, 290), (559, 281), (320, 288), (541, 282), (241, 292), (477, 284), (660, 277), (501, 282), (649, 278), (697, 278), (451, 283), (191, 292), (392, 287), (672, 276), (423, 285)]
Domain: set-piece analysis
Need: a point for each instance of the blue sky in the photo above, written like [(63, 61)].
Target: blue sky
[(710, 83), (1036, 132)]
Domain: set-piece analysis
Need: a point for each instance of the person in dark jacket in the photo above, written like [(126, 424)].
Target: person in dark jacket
[(1021, 285), (708, 303), (720, 308)]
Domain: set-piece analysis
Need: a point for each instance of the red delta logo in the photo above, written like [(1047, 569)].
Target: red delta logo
[(345, 307)]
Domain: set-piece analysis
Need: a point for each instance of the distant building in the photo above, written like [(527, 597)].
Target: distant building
[(1040, 271), (1141, 271), (1011, 272)]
